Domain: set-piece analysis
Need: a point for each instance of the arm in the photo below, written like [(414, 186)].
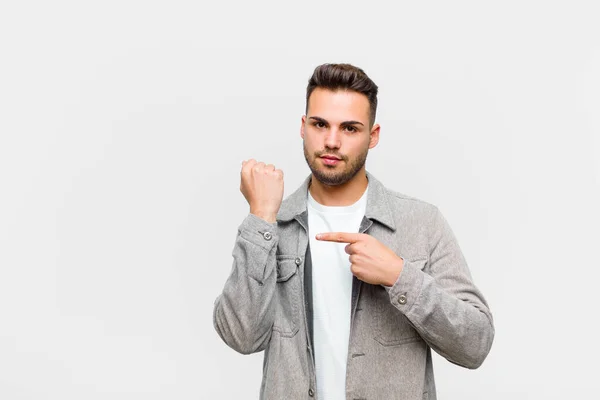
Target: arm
[(442, 302), (243, 313)]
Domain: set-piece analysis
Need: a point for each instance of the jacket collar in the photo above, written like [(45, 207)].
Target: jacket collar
[(377, 208)]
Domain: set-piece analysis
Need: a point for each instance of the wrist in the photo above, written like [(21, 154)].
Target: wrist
[(395, 272), (269, 217)]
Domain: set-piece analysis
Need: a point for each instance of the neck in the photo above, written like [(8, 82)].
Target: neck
[(339, 195)]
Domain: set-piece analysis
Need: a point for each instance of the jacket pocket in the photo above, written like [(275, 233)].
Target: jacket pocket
[(392, 327), (287, 316)]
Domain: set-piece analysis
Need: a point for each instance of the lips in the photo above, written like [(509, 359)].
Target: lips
[(330, 161), (331, 157)]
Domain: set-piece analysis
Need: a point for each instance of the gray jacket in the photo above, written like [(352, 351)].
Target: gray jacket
[(266, 302)]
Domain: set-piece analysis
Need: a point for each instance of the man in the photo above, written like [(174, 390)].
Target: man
[(346, 284)]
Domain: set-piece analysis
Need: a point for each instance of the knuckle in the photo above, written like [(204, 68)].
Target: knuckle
[(248, 164)]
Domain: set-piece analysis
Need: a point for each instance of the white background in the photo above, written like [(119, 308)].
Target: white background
[(123, 126)]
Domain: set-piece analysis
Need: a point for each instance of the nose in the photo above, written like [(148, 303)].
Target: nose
[(332, 139)]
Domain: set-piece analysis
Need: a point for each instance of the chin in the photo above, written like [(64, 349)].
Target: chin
[(329, 177)]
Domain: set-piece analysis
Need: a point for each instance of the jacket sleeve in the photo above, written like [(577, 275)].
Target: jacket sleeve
[(243, 313), (441, 301)]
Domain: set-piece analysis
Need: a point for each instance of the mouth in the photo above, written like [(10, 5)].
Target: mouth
[(330, 160)]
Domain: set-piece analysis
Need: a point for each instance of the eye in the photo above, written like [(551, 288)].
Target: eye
[(319, 124), (351, 128)]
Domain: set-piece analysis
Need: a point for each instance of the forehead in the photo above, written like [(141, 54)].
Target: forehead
[(338, 105)]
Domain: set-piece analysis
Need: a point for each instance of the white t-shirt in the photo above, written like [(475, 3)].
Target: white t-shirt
[(332, 293)]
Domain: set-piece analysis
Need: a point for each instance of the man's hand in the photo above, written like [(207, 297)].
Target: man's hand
[(262, 186), (370, 260)]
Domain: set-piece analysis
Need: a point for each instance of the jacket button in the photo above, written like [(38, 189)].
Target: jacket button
[(298, 261), (402, 299), (267, 235), (311, 392)]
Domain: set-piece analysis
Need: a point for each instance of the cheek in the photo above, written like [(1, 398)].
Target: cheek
[(309, 142), (309, 148), (357, 147)]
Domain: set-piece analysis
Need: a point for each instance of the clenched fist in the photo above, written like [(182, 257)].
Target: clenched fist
[(262, 186)]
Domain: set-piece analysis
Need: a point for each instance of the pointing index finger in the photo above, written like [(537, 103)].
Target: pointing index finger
[(341, 237)]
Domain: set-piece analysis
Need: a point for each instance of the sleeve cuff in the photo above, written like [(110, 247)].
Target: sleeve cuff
[(259, 232), (408, 286)]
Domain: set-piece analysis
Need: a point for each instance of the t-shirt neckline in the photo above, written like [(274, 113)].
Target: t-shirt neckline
[(316, 206)]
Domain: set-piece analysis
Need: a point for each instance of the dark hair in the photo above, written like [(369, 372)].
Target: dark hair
[(344, 76)]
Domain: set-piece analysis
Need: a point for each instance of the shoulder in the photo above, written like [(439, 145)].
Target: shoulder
[(416, 218), (403, 202)]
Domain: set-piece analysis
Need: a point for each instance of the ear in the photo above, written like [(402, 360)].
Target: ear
[(374, 137), (302, 126)]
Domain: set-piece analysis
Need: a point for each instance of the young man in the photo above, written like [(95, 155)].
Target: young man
[(346, 284)]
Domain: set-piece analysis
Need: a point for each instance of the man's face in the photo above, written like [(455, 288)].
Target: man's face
[(337, 124)]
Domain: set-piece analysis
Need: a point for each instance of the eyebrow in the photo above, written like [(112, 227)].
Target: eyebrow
[(343, 123)]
